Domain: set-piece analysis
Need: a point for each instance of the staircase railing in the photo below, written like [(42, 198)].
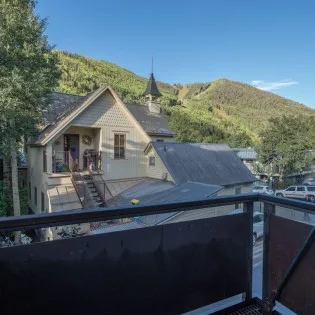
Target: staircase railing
[(102, 187), (78, 182)]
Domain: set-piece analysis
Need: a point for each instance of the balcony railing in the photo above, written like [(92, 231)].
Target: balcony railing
[(164, 269)]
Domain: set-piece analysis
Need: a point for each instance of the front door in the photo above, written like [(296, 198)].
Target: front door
[(72, 144)]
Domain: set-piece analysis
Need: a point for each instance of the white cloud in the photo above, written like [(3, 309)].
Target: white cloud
[(270, 86)]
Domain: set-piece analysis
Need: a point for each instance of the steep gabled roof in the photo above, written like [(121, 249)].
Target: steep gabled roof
[(70, 112), (58, 103), (152, 87), (153, 124), (214, 164), (63, 108)]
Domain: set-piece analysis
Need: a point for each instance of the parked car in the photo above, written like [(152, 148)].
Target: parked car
[(305, 192), (309, 181), (262, 189), (258, 224)]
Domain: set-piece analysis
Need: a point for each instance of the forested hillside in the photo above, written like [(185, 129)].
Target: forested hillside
[(81, 75), (221, 111)]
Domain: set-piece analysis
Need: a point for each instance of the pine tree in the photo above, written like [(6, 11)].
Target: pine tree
[(28, 72)]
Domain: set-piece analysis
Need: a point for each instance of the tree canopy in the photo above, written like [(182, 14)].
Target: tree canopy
[(28, 68), (288, 142), (28, 72)]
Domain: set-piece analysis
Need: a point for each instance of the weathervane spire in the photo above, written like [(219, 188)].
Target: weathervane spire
[(152, 65)]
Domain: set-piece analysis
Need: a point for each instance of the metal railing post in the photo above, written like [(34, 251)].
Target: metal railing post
[(248, 208), (269, 210)]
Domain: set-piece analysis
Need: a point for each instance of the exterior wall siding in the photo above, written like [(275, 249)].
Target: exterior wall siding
[(103, 112), (106, 114), (159, 170), (37, 178)]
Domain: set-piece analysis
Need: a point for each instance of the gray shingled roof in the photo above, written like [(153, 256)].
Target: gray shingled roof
[(57, 104), (214, 164), (59, 107), (152, 87), (152, 123)]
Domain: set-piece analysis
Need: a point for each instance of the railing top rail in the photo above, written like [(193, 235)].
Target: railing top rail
[(294, 204), (103, 214)]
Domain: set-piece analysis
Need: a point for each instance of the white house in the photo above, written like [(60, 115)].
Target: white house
[(96, 150)]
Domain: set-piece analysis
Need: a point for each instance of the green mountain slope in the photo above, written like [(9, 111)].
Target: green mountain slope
[(221, 111), (249, 106), (81, 75)]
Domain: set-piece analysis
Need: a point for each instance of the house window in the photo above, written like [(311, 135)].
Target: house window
[(159, 140), (152, 160), (44, 161), (35, 195), (119, 146), (43, 201)]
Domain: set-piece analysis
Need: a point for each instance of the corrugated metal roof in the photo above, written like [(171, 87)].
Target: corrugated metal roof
[(185, 192), (214, 164), (154, 191), (246, 154), (152, 123), (117, 227)]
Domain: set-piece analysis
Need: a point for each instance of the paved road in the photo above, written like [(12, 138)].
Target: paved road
[(258, 253)]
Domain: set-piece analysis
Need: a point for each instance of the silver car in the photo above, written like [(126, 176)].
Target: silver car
[(258, 224), (262, 189)]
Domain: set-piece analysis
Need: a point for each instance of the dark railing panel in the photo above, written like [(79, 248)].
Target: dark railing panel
[(286, 239), (166, 269)]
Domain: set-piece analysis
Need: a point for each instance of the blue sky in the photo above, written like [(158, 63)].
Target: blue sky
[(267, 43)]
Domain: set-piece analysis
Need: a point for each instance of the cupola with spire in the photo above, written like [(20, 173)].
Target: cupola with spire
[(152, 95)]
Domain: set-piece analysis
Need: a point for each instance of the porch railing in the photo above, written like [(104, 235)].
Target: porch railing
[(171, 268), (60, 161), (92, 160)]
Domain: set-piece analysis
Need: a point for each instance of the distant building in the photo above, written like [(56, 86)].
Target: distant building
[(248, 157)]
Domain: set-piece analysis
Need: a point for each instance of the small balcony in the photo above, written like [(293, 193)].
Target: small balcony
[(199, 266), (77, 145), (63, 162)]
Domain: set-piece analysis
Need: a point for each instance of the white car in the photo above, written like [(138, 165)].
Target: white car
[(258, 224), (262, 189), (299, 192)]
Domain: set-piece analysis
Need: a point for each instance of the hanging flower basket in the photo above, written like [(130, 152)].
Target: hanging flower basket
[(87, 140)]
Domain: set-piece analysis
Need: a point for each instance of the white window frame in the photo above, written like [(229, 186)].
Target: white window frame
[(120, 146)]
